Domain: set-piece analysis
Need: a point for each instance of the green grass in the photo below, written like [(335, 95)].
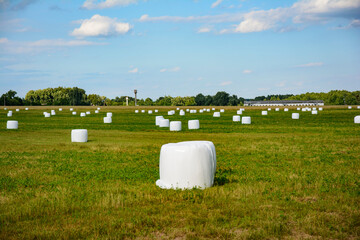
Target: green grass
[(276, 178)]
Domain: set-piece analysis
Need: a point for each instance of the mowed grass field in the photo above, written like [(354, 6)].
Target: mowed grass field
[(276, 178)]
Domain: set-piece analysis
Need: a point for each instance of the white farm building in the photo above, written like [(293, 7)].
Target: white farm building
[(285, 103)]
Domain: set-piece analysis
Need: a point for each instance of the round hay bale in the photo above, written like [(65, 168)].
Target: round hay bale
[(303, 109), (164, 123), (213, 109), (246, 120), (182, 113), (177, 109), (193, 124), (269, 109), (201, 111), (96, 111), (314, 112), (5, 109), (71, 109), (286, 109), (298, 109), (98, 108), (53, 112), (156, 111), (47, 115), (264, 113), (216, 114), (187, 165), (320, 108), (157, 120), (9, 114), (277, 109), (358, 107), (73, 113), (236, 118), (87, 113), (60, 109), (192, 111), (82, 114), (349, 107), (357, 119), (175, 126), (26, 109), (187, 110), (314, 108), (142, 111), (150, 112), (208, 110), (136, 111), (107, 120), (238, 112), (17, 110), (171, 112), (222, 110), (79, 135), (295, 116), (12, 124), (109, 114)]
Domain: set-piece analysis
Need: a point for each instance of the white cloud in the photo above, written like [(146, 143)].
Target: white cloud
[(94, 4), (135, 70), (3, 40), (204, 30), (101, 26), (216, 3), (174, 69), (235, 17), (313, 64), (225, 83), (247, 71)]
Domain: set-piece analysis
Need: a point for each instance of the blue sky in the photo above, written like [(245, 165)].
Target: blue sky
[(180, 48)]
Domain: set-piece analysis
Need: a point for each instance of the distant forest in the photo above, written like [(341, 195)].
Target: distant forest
[(76, 96)]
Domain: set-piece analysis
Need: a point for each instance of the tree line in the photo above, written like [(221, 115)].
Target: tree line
[(76, 96)]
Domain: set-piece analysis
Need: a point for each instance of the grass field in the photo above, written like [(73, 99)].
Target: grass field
[(276, 178)]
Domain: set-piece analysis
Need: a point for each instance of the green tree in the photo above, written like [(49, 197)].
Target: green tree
[(200, 100), (221, 99)]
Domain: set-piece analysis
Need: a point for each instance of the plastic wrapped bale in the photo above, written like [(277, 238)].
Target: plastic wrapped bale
[(73, 113), (320, 108), (170, 113), (303, 109), (5, 109), (187, 110), (277, 109), (164, 123), (182, 113), (47, 115), (286, 109), (193, 124), (213, 109), (314, 108), (12, 125), (236, 118), (88, 113), (177, 109), (187, 165), (175, 126), (222, 110), (109, 114), (201, 111), (298, 109), (26, 109), (71, 109), (264, 113), (349, 107), (216, 114), (208, 110), (79, 135), (150, 112), (246, 120), (60, 109), (156, 111), (96, 111), (295, 116), (107, 120), (269, 109), (358, 107), (357, 119), (314, 112), (17, 110), (142, 111), (98, 108), (82, 114), (53, 112), (238, 112), (136, 111), (157, 120), (242, 109), (9, 114)]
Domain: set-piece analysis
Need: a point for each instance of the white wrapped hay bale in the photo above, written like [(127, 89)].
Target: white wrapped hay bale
[(349, 107), (314, 108), (242, 109), (142, 111), (164, 123), (107, 120), (320, 108), (71, 109), (73, 113), (96, 111), (298, 109), (264, 113), (303, 109), (87, 113), (286, 109), (269, 109), (295, 116), (314, 112), (193, 124), (187, 110), (5, 109), (157, 120), (9, 114), (60, 109), (216, 114), (201, 111), (208, 110), (222, 110), (12, 124), (277, 109), (79, 135), (358, 107), (238, 112), (182, 113), (236, 118), (156, 111), (47, 115), (177, 109), (26, 109), (17, 110), (213, 109), (246, 120), (150, 112), (53, 112), (82, 114), (109, 114), (171, 112), (187, 165), (357, 119), (175, 126), (136, 111), (98, 108)]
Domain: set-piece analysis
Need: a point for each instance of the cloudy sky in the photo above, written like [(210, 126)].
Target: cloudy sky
[(180, 48)]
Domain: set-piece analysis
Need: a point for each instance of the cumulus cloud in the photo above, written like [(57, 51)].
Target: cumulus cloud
[(174, 69), (93, 4), (101, 26), (216, 3), (235, 17), (204, 30), (225, 83), (247, 71), (135, 70), (313, 64)]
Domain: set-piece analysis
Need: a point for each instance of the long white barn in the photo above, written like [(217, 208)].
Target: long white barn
[(285, 103)]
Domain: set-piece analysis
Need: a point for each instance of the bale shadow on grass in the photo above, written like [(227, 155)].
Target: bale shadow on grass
[(222, 176)]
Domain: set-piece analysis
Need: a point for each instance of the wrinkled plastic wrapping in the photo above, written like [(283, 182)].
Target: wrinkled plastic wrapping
[(187, 165), (12, 124), (107, 120), (79, 135), (193, 124), (216, 114), (246, 120), (47, 115), (164, 123), (264, 113), (295, 116), (236, 118), (357, 119), (9, 114), (175, 126)]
